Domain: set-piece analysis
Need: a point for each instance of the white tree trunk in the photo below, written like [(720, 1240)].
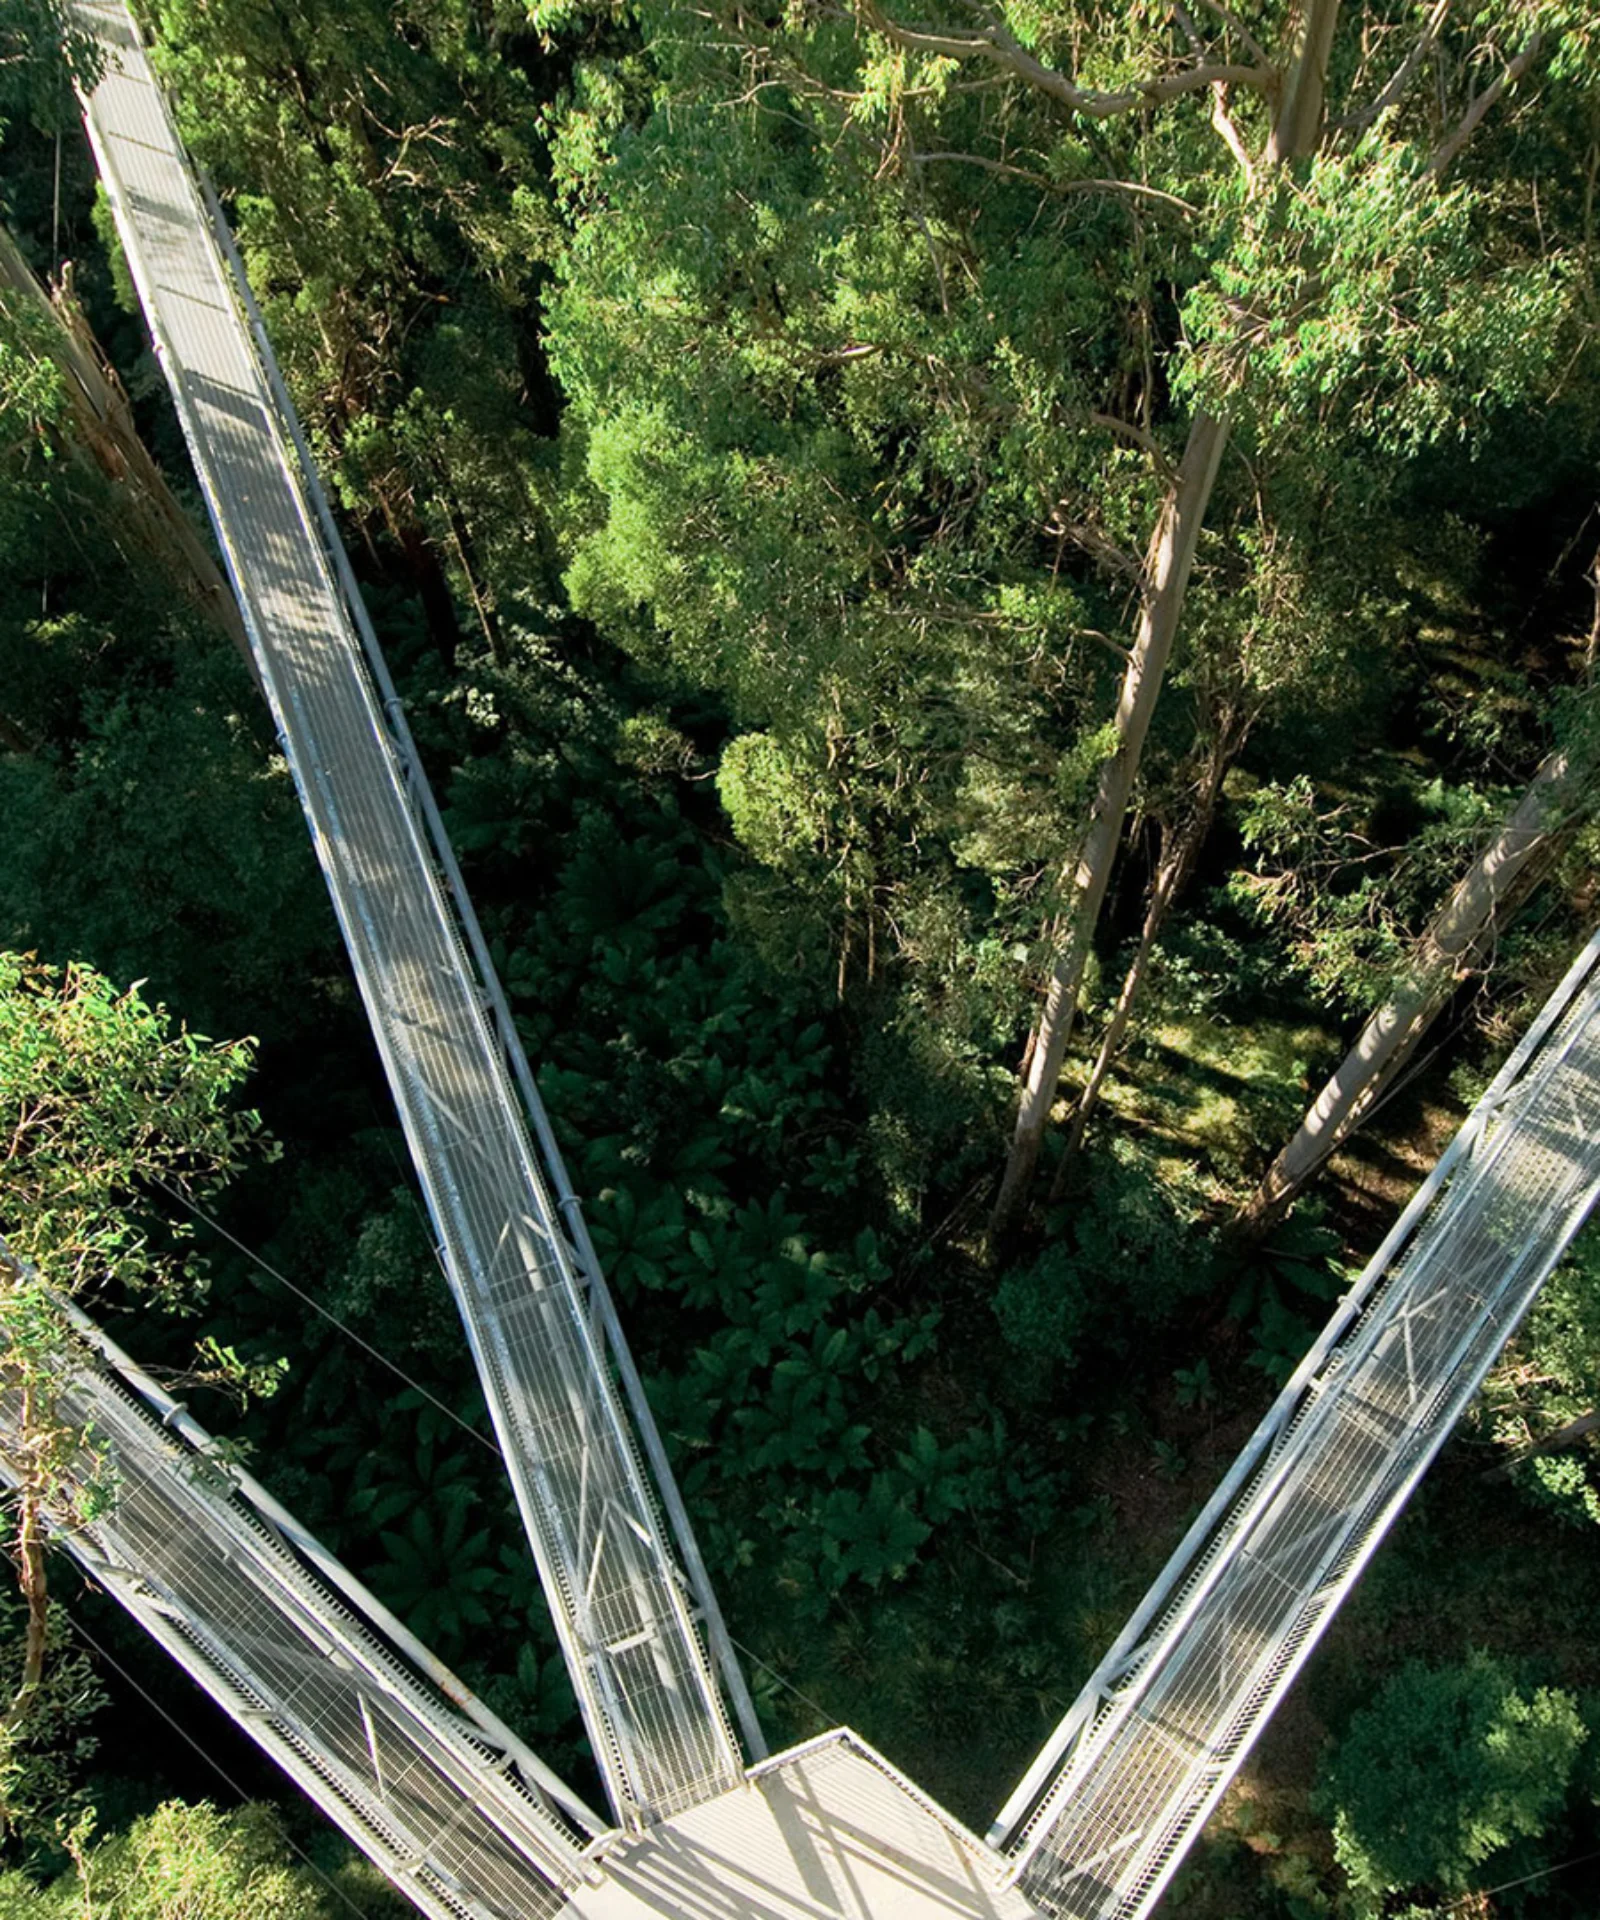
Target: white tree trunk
[(1458, 941), (103, 425), (1167, 567), (1297, 128), (1179, 851)]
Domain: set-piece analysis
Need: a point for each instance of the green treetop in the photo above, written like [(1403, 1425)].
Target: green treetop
[(102, 1105), (1446, 1770)]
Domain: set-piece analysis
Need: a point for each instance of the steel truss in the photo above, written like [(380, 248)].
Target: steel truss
[(1104, 1816), (538, 1317), (440, 1794)]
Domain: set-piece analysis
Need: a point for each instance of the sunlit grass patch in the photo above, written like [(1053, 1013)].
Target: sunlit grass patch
[(1231, 1092)]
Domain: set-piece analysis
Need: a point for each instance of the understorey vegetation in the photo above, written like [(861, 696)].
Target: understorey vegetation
[(993, 599)]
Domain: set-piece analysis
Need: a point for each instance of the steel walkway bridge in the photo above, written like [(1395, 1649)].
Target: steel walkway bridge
[(418, 1773), (1102, 1819), (535, 1308), (447, 1800)]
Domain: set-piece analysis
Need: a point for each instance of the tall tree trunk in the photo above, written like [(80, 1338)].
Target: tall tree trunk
[(1457, 942), (104, 429), (1557, 1442), (32, 1578), (1167, 569), (1296, 130), (1297, 123), (1180, 849)]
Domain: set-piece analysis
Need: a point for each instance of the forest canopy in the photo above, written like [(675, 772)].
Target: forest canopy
[(1003, 603)]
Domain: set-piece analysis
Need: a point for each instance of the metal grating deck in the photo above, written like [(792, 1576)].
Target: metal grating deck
[(1154, 1739), (530, 1306), (462, 1821)]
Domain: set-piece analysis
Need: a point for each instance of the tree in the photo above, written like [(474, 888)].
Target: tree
[(886, 344), (44, 53), (1288, 625), (113, 694), (1296, 132), (1459, 941), (1445, 1770), (186, 1862), (101, 1102), (83, 408)]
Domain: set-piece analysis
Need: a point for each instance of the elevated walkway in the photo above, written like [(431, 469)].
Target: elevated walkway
[(437, 1791), (533, 1303), (1103, 1818), (1106, 1813), (379, 1734)]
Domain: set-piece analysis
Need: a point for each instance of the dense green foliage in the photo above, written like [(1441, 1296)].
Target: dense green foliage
[(103, 1108), (99, 1101), (1443, 1773), (189, 1863), (749, 428)]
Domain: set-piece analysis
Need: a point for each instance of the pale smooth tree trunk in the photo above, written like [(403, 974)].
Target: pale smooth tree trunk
[(1167, 569), (1458, 941), (1181, 848), (1296, 130), (1557, 1442), (156, 525)]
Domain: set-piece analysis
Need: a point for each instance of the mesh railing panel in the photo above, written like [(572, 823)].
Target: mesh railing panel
[(1192, 1697), (621, 1607)]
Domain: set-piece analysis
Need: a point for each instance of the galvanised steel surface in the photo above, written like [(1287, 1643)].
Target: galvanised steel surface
[(442, 1798), (534, 1311), (1105, 1815)]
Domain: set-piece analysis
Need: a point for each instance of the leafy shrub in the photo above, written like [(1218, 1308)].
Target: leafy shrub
[(1448, 1769)]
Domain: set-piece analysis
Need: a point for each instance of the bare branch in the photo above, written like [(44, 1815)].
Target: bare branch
[(997, 45), (1446, 152), (1097, 545), (1145, 442), (1236, 25), (1222, 120), (1135, 189), (1402, 76)]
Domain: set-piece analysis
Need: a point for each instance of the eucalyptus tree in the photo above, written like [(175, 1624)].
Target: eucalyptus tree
[(1284, 629), (902, 358), (101, 1101), (1295, 90), (60, 396), (1457, 942)]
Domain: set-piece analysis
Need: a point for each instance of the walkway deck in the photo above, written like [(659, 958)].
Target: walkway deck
[(622, 1609), (454, 1808), (1120, 1792)]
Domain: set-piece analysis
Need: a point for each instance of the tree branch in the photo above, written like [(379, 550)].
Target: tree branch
[(1099, 547), (1402, 76), (1135, 189), (1222, 120), (1233, 22), (1446, 152), (1145, 442), (1557, 1442), (997, 45)]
